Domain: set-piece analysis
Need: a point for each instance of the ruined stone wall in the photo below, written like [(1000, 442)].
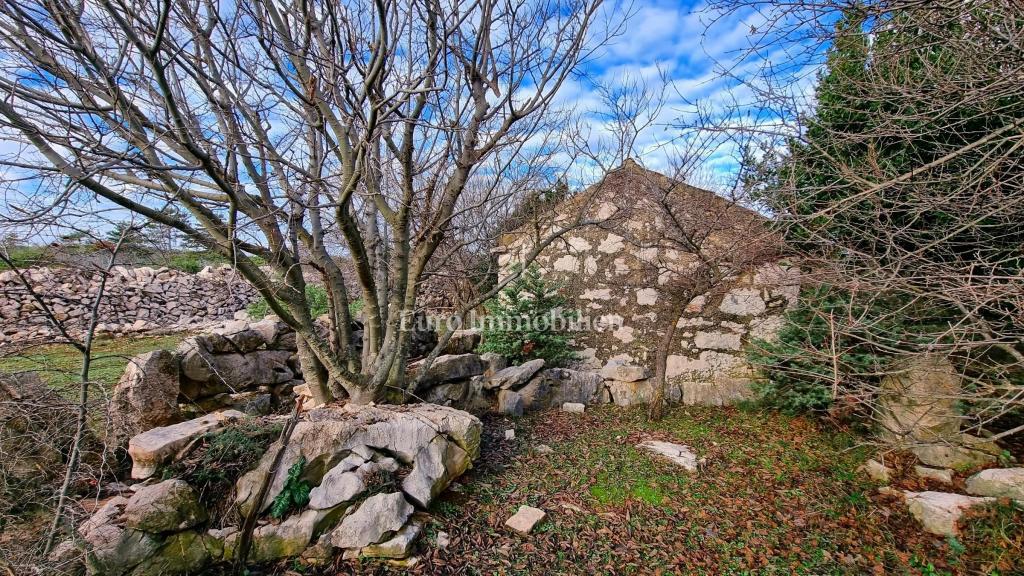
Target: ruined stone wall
[(136, 300), (596, 268)]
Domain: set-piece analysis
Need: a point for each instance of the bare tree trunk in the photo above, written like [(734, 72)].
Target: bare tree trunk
[(656, 410)]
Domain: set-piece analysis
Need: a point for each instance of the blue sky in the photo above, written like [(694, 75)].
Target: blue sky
[(690, 47)]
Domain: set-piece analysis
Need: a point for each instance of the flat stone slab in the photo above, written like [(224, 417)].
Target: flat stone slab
[(676, 453), (153, 448), (938, 512), (525, 519), (514, 377), (943, 475), (998, 483)]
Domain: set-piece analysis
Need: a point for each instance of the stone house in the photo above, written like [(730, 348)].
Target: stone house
[(617, 271)]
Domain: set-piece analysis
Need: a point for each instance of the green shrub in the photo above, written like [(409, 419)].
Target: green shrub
[(799, 374), (316, 299), (295, 493), (520, 327), (24, 256)]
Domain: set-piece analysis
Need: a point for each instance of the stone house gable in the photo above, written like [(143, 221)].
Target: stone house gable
[(618, 272)]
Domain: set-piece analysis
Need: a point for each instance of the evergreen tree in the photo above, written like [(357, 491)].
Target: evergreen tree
[(523, 322)]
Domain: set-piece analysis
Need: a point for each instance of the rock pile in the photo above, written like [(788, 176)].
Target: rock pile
[(370, 468), (939, 512), (248, 366), (135, 300)]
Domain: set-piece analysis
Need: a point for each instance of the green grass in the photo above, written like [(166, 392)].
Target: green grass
[(59, 365), (778, 495)]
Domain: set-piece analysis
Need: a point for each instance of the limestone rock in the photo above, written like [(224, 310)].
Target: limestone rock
[(536, 395), (463, 342), (153, 448), (514, 377), (877, 471), (619, 370), (398, 546), (493, 362), (573, 407), (182, 553), (963, 451), (168, 506), (938, 512), (146, 396), (630, 393), (525, 519), (510, 403), (434, 467), (343, 483), (377, 517), (919, 403), (676, 453), (287, 539), (450, 394), (998, 483), (943, 475), (111, 548), (328, 434), (448, 368)]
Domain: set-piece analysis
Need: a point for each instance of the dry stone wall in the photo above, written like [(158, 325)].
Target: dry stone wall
[(136, 300)]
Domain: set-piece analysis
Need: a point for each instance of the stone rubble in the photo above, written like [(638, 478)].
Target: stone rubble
[(678, 454), (525, 519), (352, 455)]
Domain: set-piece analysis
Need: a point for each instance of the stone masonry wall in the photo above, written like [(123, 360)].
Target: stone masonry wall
[(596, 268), (136, 300)]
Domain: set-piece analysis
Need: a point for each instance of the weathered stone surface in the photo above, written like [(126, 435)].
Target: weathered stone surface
[(146, 396), (330, 433), (398, 546), (964, 451), (493, 362), (376, 518), (919, 403), (877, 471), (743, 302), (169, 506), (463, 342), (448, 368), (435, 466), (577, 386), (676, 453), (289, 538), (717, 341), (998, 483), (342, 483), (451, 394), (182, 553), (510, 403), (944, 476), (150, 449), (618, 370), (525, 519), (514, 377), (135, 300), (938, 512), (630, 393), (574, 407), (537, 394), (112, 548)]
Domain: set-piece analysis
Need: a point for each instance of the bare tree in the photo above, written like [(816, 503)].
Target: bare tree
[(272, 125), (31, 395)]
